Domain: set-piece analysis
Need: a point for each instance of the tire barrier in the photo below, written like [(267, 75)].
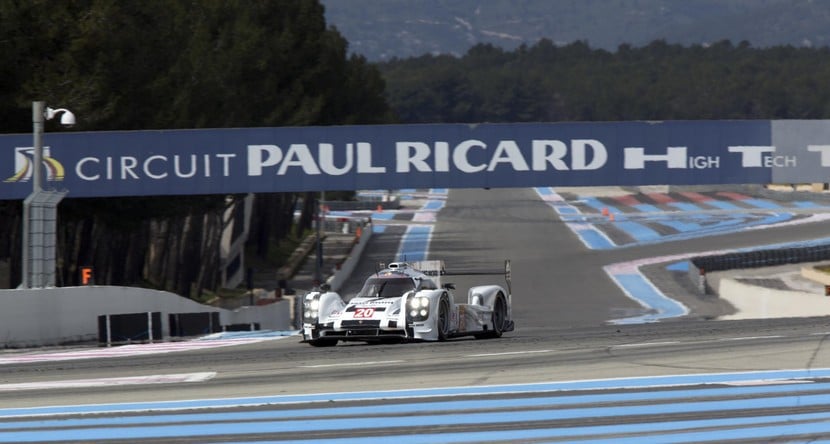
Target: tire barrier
[(699, 266), (129, 328)]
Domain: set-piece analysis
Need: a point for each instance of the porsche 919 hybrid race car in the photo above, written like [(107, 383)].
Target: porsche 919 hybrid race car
[(405, 301)]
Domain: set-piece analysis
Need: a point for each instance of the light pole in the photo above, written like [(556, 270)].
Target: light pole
[(40, 114), (40, 208)]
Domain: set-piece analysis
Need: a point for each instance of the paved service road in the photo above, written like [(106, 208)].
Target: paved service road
[(281, 389)]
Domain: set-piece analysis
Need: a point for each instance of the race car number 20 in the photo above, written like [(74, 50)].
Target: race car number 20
[(364, 312)]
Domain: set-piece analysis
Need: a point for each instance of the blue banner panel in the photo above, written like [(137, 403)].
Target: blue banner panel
[(242, 160)]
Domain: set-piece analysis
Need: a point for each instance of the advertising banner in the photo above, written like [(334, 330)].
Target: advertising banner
[(242, 160)]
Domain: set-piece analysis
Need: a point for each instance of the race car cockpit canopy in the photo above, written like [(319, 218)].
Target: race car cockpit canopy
[(387, 285)]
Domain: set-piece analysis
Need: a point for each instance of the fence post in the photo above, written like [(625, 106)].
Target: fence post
[(150, 326), (109, 331)]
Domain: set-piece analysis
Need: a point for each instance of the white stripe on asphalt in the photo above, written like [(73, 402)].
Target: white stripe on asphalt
[(351, 364), (526, 352), (109, 382), (645, 344)]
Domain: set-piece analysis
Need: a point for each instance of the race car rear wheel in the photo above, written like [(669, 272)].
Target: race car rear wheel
[(443, 321), (498, 319)]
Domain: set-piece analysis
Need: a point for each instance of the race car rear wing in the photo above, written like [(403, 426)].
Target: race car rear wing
[(436, 268), (507, 274)]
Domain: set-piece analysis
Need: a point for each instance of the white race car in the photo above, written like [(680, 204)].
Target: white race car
[(406, 301)]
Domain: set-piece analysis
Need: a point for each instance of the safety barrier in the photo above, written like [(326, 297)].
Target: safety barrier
[(194, 324), (251, 326), (128, 328), (699, 266)]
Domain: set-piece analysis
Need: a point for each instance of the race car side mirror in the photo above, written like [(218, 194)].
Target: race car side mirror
[(449, 286)]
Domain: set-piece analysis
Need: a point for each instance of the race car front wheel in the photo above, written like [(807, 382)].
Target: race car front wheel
[(443, 321), (323, 342)]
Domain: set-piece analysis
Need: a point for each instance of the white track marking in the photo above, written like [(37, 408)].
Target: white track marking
[(109, 382), (126, 350), (757, 382), (351, 364), (750, 338), (526, 352), (645, 344)]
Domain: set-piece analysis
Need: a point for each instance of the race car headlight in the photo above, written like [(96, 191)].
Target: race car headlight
[(418, 302), (312, 309), (418, 308)]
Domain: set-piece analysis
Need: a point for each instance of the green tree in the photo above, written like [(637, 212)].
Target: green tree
[(159, 64)]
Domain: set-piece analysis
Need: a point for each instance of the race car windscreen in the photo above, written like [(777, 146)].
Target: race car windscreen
[(386, 287)]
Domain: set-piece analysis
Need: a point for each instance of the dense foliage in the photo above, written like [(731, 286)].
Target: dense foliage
[(158, 64), (546, 82)]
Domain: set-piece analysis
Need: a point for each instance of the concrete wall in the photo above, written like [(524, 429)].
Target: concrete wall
[(340, 276), (50, 316), (814, 275), (754, 302)]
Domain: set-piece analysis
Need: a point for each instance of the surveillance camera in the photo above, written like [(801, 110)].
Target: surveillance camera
[(68, 119)]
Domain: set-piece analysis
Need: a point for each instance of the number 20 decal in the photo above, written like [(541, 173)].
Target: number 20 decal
[(364, 312)]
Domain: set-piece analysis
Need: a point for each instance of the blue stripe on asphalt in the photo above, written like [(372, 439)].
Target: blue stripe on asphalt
[(642, 428), (590, 384), (383, 216), (594, 239), (685, 206), (647, 208), (678, 266), (566, 210), (761, 203), (637, 287), (637, 231), (753, 428), (591, 400), (415, 243), (590, 236), (598, 205), (726, 226), (731, 225), (667, 220), (806, 204), (338, 213), (384, 422), (434, 205)]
